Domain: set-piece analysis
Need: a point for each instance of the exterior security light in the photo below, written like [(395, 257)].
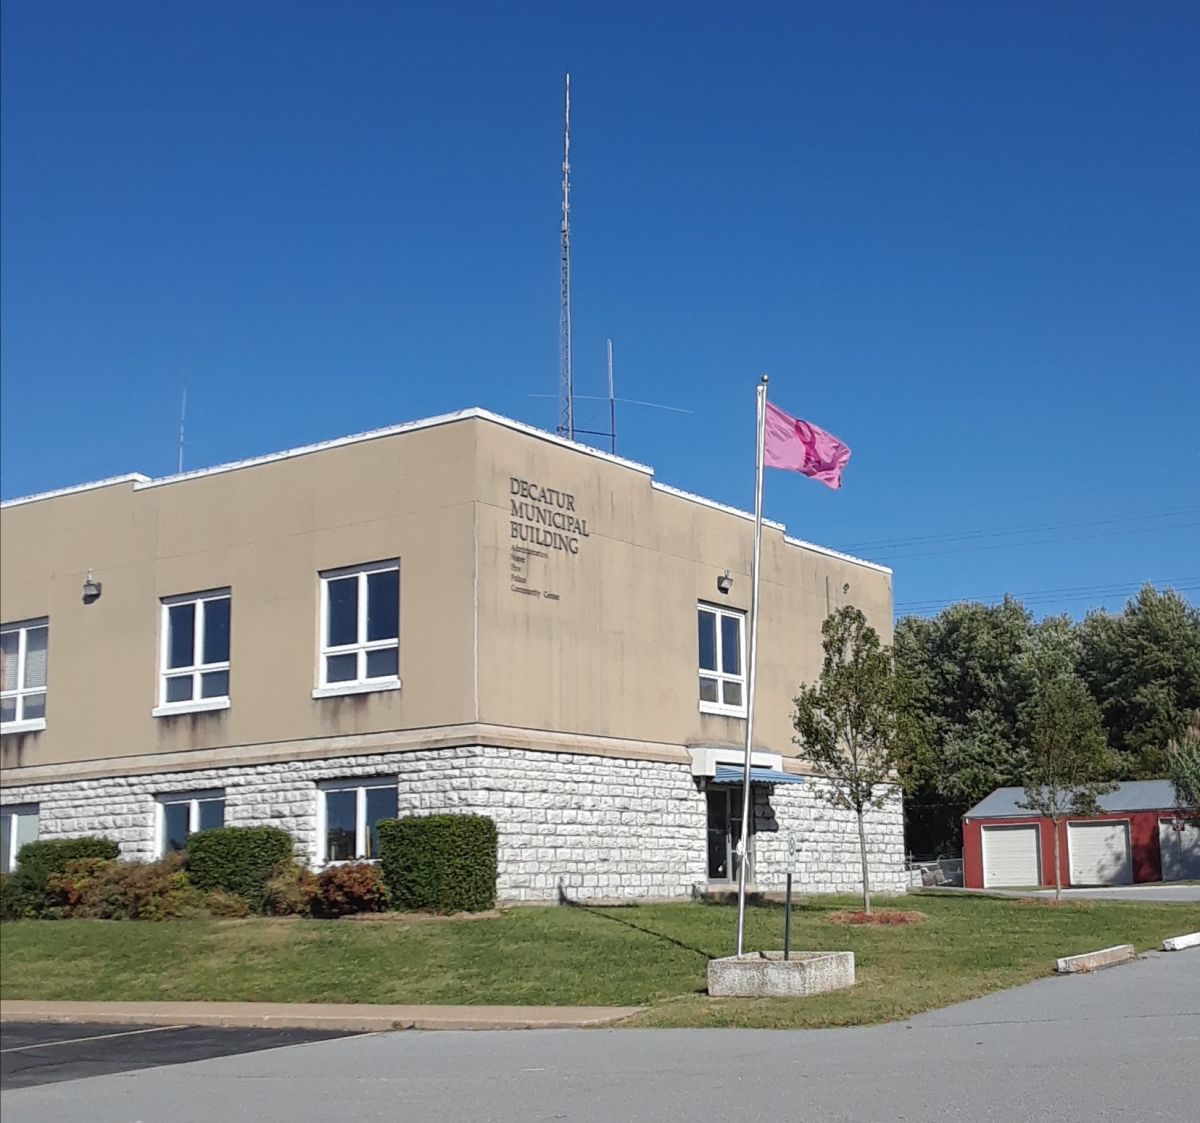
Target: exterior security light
[(91, 589), (724, 582)]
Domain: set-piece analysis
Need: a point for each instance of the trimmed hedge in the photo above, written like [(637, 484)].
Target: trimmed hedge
[(439, 863), (37, 861), (23, 893), (240, 860)]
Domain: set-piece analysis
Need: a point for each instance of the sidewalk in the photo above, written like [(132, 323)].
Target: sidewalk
[(330, 1015)]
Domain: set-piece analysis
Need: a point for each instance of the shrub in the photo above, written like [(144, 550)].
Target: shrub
[(290, 891), (103, 889), (25, 891), (354, 887), (16, 902), (440, 863), (219, 903), (37, 861), (239, 860)]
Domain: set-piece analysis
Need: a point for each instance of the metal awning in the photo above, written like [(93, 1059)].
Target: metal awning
[(731, 774)]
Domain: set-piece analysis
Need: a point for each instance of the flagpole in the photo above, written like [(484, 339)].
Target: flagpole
[(751, 666)]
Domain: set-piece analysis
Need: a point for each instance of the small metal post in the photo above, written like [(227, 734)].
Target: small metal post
[(787, 907), (787, 920)]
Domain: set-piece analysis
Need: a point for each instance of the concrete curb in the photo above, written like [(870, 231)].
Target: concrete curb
[(350, 1017), (1094, 960), (1178, 943)]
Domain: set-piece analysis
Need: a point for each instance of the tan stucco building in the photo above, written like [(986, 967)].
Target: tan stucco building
[(462, 613)]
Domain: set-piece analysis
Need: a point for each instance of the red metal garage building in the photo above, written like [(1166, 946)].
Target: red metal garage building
[(1138, 835)]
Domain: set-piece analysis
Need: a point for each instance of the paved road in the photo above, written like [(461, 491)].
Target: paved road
[(33, 1053), (1118, 1045)]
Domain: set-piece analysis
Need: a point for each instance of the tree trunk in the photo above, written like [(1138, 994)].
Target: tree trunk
[(1057, 875), (862, 850)]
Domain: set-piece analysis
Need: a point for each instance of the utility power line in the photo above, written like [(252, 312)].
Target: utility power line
[(1066, 594)]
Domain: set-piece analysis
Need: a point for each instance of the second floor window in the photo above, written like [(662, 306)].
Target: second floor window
[(360, 625), (195, 650), (722, 677), (23, 651)]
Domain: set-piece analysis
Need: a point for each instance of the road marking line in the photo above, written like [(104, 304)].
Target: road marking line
[(94, 1037)]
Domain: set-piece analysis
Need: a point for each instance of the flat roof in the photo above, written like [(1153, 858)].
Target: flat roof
[(1133, 795), (139, 481)]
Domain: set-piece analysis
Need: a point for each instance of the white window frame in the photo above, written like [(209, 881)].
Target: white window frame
[(198, 668), (719, 676), (22, 724), (193, 800), (360, 786), (360, 684), (15, 812)]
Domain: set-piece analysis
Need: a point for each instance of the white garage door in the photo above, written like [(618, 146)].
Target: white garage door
[(1010, 856), (1180, 850), (1100, 853)]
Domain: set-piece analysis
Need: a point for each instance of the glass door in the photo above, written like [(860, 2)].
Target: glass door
[(724, 832)]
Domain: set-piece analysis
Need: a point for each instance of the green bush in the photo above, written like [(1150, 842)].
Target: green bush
[(24, 892), (219, 903), (440, 863), (37, 861), (350, 888), (16, 902), (290, 891), (240, 860), (103, 889)]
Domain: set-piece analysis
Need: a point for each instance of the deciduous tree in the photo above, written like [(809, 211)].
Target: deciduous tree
[(848, 723), (1069, 764)]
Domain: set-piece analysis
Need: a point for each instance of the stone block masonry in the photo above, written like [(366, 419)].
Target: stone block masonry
[(587, 827)]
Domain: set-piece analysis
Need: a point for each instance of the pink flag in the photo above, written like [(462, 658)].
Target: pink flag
[(800, 447)]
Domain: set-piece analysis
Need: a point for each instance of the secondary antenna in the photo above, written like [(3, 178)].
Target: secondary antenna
[(182, 422), (566, 377)]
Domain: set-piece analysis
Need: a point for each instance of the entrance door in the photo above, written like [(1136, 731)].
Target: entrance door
[(725, 832), (1179, 842)]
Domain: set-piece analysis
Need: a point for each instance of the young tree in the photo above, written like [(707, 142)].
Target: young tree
[(1069, 765), (848, 724), (1183, 766)]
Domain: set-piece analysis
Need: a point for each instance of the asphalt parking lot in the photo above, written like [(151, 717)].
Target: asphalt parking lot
[(33, 1053)]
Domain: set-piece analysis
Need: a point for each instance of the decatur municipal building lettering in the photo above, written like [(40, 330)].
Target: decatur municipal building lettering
[(545, 516)]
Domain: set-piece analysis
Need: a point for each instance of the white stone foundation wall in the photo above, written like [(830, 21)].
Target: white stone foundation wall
[(580, 826), (827, 850)]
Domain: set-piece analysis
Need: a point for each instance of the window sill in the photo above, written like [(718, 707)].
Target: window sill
[(342, 688), (722, 711), (33, 725), (171, 709)]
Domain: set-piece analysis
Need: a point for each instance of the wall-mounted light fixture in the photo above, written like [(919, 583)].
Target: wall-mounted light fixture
[(724, 582), (91, 589)]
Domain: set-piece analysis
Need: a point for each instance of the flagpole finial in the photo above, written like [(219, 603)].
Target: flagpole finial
[(765, 379)]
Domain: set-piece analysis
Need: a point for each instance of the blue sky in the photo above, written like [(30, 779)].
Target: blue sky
[(962, 237)]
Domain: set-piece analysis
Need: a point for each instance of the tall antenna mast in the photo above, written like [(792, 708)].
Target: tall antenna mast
[(566, 376), (612, 403)]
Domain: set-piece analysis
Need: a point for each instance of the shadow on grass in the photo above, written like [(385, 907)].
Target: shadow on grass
[(608, 912)]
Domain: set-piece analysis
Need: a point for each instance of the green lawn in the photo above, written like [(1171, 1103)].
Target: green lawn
[(652, 955)]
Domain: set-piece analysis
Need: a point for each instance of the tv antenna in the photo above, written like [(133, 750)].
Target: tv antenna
[(566, 377), (182, 423)]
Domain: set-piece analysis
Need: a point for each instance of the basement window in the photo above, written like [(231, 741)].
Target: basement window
[(350, 811)]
